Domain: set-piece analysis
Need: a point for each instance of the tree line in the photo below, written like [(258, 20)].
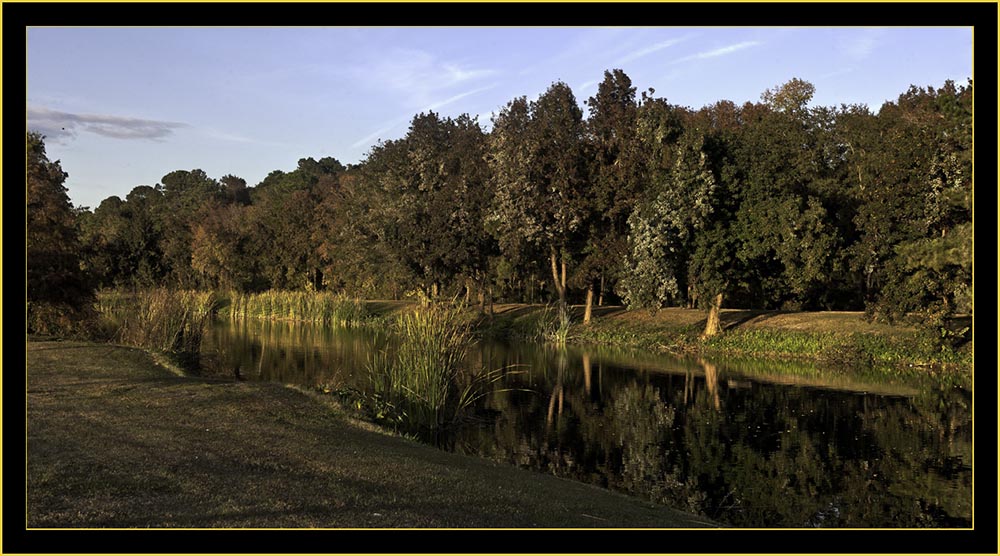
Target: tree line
[(770, 205)]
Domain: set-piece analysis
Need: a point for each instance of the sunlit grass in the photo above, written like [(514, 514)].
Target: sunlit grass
[(315, 307)]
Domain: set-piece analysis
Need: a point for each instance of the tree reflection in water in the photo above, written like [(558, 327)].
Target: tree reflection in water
[(750, 444)]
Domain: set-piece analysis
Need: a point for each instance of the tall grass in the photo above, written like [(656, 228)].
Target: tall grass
[(171, 322), (423, 379), (318, 308)]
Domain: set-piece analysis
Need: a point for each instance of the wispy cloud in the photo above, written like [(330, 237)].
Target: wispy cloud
[(216, 134), (835, 73), (377, 134), (635, 55), (62, 126), (861, 47), (458, 97), (418, 74), (723, 51), (389, 126), (586, 85)]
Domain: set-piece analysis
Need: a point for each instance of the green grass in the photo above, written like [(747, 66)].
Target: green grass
[(641, 335), (917, 349)]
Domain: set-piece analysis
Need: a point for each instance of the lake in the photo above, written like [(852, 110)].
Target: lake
[(746, 443)]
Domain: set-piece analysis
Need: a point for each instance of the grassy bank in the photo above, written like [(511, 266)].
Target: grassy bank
[(116, 441), (828, 337)]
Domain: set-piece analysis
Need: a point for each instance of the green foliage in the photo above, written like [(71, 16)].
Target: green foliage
[(775, 204), (680, 201), (539, 177)]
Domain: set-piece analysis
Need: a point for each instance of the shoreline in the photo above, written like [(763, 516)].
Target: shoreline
[(116, 440)]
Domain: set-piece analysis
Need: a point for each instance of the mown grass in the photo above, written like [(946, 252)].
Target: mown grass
[(114, 440)]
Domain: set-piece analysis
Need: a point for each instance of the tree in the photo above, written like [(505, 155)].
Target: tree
[(920, 245), (222, 250), (790, 98), (679, 201), (785, 230), (281, 225), (539, 178), (615, 176), (184, 194), (59, 293)]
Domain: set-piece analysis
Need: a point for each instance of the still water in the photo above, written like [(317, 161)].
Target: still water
[(746, 443)]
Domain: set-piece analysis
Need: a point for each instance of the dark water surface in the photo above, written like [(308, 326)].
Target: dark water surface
[(747, 443)]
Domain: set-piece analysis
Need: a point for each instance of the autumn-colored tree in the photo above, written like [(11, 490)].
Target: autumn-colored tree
[(59, 294)]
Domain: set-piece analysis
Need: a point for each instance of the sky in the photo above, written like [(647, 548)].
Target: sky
[(122, 107)]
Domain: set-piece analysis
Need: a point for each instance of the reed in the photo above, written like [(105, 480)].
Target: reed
[(171, 322), (423, 377), (316, 307)]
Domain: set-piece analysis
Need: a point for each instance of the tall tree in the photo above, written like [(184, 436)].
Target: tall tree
[(785, 229), (615, 175), (915, 204), (184, 193), (280, 223), (59, 293), (680, 199), (540, 179)]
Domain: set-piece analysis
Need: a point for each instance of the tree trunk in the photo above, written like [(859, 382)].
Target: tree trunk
[(600, 293), (318, 280), (590, 304), (555, 273), (560, 286), (713, 325)]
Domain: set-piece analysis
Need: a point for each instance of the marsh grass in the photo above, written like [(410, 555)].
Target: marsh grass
[(170, 322), (324, 308), (419, 381)]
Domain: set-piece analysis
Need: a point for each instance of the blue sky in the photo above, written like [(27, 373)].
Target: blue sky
[(122, 107)]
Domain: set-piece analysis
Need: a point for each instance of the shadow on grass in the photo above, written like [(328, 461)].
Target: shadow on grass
[(736, 319)]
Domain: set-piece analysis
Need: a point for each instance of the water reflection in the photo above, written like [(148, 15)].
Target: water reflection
[(751, 444)]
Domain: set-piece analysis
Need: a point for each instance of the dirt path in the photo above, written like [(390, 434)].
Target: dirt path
[(116, 441)]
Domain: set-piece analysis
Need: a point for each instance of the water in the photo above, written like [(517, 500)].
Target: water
[(749, 444)]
